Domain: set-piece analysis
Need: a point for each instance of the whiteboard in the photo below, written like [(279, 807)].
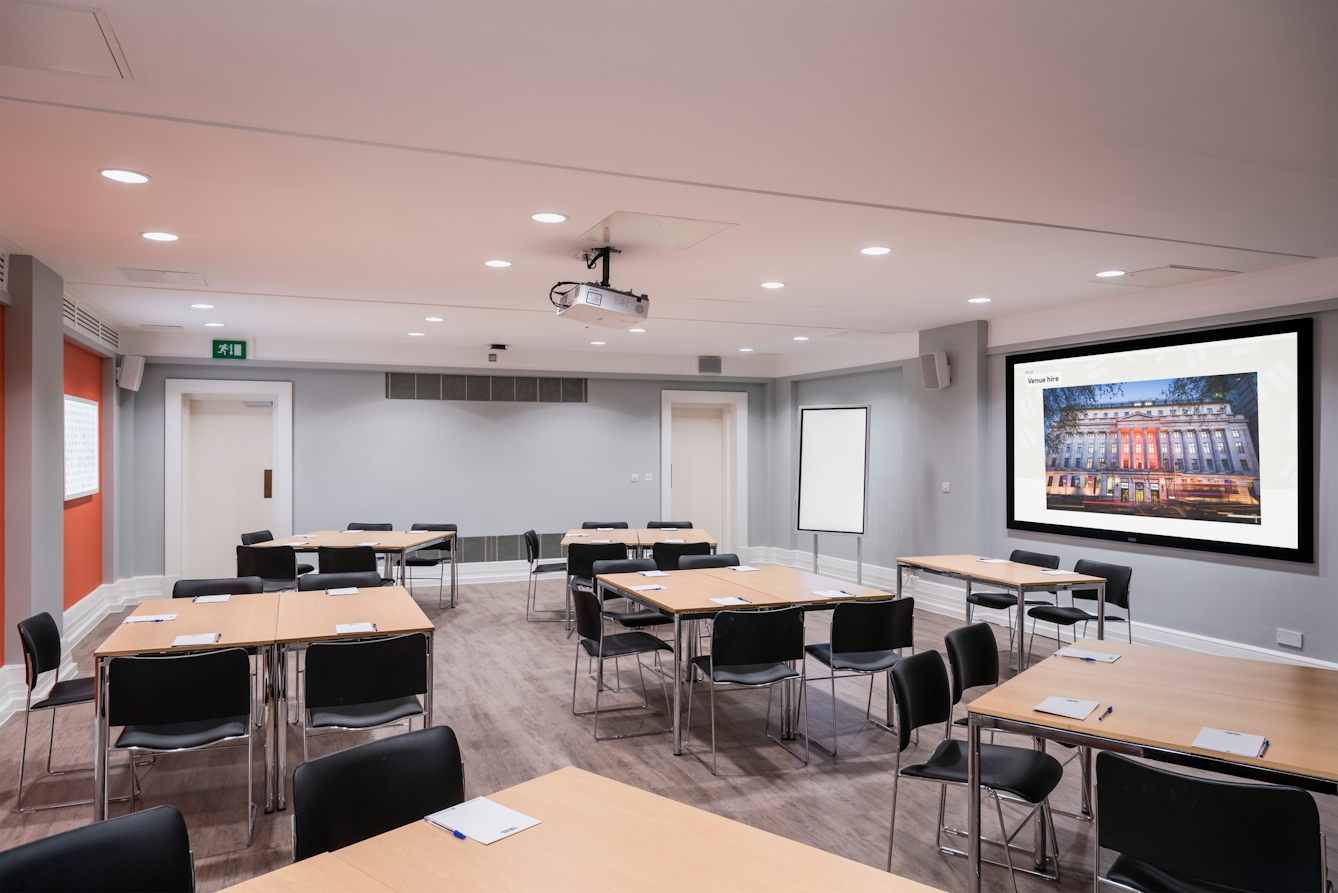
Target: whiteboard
[(81, 447), (833, 469)]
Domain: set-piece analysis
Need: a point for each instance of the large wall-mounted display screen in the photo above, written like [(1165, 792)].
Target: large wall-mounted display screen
[(1199, 440)]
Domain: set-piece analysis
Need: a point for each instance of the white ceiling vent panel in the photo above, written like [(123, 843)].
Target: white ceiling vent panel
[(165, 277), (60, 38), (158, 327), (1169, 275), (631, 228)]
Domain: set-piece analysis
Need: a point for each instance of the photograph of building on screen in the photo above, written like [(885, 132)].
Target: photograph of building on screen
[(1169, 448)]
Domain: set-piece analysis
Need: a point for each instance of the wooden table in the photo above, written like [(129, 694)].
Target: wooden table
[(628, 536), (245, 621), (1011, 575), (573, 850), (306, 617), (1162, 699), (388, 542), (649, 536), (325, 873), (687, 596)]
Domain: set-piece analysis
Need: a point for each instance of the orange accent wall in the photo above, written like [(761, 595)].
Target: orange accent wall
[(83, 516)]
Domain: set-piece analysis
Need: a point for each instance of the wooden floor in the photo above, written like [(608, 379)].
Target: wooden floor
[(505, 687)]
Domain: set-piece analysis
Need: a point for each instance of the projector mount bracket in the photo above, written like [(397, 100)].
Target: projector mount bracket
[(591, 257)]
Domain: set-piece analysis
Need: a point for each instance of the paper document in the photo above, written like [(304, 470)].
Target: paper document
[(1235, 743), (605, 528), (348, 629), (600, 542), (210, 599), (668, 528), (828, 593), (653, 573), (342, 590), (369, 544), (483, 820), (996, 560), (731, 600), (151, 618), (1070, 707), (574, 535), (1098, 656), (1058, 573), (648, 588), (676, 541), (296, 543), (742, 567), (197, 639)]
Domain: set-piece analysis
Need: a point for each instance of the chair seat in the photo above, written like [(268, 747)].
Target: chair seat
[(637, 619), (277, 585), (305, 568), (746, 674), (1061, 614), (859, 661), (71, 691), (423, 562), (1149, 878), (1029, 774), (365, 716), (623, 644), (179, 735), (549, 569)]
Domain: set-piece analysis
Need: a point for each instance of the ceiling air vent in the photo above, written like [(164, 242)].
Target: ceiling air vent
[(708, 365), (165, 277), (486, 388), (88, 320)]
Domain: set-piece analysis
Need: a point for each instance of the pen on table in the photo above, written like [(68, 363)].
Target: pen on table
[(459, 834), (217, 637), (1263, 750), (1109, 710)]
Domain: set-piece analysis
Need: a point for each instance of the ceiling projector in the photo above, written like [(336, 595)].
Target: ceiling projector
[(597, 303)]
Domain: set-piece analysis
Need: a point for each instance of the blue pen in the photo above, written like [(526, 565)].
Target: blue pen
[(459, 834), (1109, 709), (1263, 750)]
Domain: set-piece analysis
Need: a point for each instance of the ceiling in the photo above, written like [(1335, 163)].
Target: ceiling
[(339, 171)]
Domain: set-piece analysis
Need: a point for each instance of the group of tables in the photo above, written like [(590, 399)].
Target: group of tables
[(639, 538), (395, 544)]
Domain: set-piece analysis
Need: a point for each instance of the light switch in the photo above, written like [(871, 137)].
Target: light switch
[(947, 487), (635, 478), (649, 477)]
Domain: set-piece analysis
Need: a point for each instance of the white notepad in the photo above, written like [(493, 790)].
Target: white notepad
[(574, 535), (197, 639), (1058, 573), (598, 542), (1070, 707), (606, 528), (369, 544), (742, 567), (151, 618), (346, 629), (1098, 656), (296, 543), (827, 593), (653, 573), (668, 528), (210, 599), (996, 560), (1235, 743), (731, 600), (649, 588), (675, 541), (483, 820), (342, 590)]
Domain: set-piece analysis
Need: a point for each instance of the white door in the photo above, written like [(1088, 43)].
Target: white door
[(230, 450), (697, 469)]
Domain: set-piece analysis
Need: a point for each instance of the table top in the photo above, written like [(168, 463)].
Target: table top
[(572, 849), (242, 620), (319, 874), (386, 540), (1163, 698), (794, 585), (652, 535), (312, 616), (628, 536), (1007, 573), (691, 591)]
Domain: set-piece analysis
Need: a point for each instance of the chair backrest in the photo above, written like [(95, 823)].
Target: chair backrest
[(363, 791), (365, 525), (739, 638), (974, 656), (360, 672), (218, 586), (923, 696), (345, 559), (595, 525), (697, 562), (581, 557), (873, 626), (267, 562), (143, 852), (1035, 559), (666, 555), (445, 545), (172, 688), (360, 579), (531, 546), (1117, 581), (256, 537), (665, 525), (41, 646), (622, 566), (589, 622), (1239, 836)]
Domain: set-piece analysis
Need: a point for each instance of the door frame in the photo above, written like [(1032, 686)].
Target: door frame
[(734, 538), (176, 441)]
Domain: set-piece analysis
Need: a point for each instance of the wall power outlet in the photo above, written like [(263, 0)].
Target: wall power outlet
[(1290, 638)]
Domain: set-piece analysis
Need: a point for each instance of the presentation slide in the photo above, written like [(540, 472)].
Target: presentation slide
[(833, 468), (1197, 440)]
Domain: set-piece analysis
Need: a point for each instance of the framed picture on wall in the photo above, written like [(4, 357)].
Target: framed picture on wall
[(81, 447)]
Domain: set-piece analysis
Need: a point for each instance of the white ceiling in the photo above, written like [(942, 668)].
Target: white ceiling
[(339, 171)]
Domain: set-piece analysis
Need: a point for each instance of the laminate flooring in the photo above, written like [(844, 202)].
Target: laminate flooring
[(505, 686)]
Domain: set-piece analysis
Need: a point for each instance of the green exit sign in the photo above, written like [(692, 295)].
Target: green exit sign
[(229, 350)]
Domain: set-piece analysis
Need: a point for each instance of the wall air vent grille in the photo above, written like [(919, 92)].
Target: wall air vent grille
[(85, 321), (486, 388), (4, 272), (68, 311)]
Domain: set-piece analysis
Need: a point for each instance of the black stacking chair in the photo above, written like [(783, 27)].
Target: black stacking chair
[(924, 698), (41, 654), (581, 558), (610, 525), (599, 647), (537, 568), (439, 556), (666, 555), (179, 702), (1176, 832), (350, 560), (698, 562), (217, 586), (866, 638), (1117, 593), (275, 565), (143, 852), (360, 792), (637, 619), (668, 525), (257, 537), (751, 649), (372, 525), (1007, 601), (360, 579), (362, 684)]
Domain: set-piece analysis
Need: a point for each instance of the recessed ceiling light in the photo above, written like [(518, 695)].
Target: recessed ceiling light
[(636, 330), (875, 250), (433, 319), (547, 217), (977, 300), (773, 284), (203, 306), (497, 263), (120, 176), (596, 342), (1108, 274), (801, 337), (159, 237), (416, 334), (214, 325), (745, 350)]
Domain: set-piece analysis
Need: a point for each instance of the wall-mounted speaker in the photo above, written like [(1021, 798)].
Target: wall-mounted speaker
[(936, 371), (131, 373)]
